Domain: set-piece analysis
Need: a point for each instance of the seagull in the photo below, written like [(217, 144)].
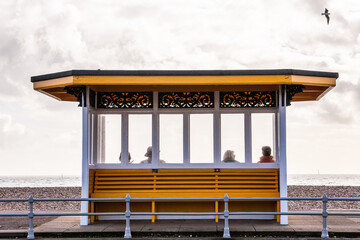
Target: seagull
[(326, 13)]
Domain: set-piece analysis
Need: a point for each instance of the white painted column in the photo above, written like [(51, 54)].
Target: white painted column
[(155, 132), (282, 153), (91, 138), (85, 161), (124, 138), (101, 136), (94, 139), (186, 138), (276, 135), (217, 131), (248, 138)]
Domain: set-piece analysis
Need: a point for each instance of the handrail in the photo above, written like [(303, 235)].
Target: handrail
[(226, 213)]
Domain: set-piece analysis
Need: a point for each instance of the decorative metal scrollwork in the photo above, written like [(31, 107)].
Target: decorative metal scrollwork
[(77, 92), (124, 99), (186, 100), (247, 99), (291, 90)]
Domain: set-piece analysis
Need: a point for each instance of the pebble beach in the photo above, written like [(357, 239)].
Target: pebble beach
[(74, 192)]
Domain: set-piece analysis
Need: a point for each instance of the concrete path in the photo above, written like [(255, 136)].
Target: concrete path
[(299, 226)]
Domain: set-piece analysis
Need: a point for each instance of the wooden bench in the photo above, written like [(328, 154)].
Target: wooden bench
[(184, 183)]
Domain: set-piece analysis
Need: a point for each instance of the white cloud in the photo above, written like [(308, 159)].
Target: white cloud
[(10, 131), (8, 127), (39, 37)]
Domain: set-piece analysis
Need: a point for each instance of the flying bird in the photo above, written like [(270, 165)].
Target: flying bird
[(326, 13)]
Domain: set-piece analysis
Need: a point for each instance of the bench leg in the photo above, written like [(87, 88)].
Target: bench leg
[(216, 210), (92, 210), (153, 209)]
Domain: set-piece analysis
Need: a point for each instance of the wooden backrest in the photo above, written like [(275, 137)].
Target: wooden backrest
[(185, 180)]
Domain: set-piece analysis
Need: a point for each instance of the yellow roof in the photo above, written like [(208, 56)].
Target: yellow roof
[(315, 83)]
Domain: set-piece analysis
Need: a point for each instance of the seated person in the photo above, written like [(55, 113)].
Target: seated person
[(229, 156), (266, 158), (148, 154), (129, 158)]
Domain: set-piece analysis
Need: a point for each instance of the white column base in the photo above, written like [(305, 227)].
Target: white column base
[(84, 220), (284, 220)]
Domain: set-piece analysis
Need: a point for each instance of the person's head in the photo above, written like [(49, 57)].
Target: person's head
[(266, 150), (229, 154), (148, 153), (129, 157)]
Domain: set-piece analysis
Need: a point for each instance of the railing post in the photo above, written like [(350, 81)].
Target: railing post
[(31, 216), (324, 233), (226, 217), (127, 217)]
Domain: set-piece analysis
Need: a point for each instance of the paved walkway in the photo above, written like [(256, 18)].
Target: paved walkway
[(299, 226)]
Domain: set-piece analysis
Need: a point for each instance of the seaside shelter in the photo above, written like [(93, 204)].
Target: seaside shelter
[(185, 134)]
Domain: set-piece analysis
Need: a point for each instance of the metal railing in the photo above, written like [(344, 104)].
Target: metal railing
[(226, 213)]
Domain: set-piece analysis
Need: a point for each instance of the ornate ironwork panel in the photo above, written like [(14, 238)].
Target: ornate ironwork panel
[(291, 90), (186, 100), (77, 92), (247, 99), (124, 99)]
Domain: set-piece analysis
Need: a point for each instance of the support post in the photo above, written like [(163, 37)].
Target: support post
[(186, 139), (31, 217), (153, 209), (248, 138), (216, 210), (282, 153), (95, 135), (84, 220), (226, 217), (155, 133), (124, 138), (324, 233), (127, 217), (217, 133)]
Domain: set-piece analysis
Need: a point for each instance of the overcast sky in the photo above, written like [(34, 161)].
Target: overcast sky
[(40, 135)]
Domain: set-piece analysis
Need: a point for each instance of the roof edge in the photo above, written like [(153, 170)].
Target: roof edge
[(183, 73)]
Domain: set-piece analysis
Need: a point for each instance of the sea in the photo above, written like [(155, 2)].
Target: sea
[(75, 181)]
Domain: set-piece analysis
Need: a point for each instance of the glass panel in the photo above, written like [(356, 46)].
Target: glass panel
[(110, 138), (262, 135), (171, 138), (140, 138), (201, 138), (232, 138)]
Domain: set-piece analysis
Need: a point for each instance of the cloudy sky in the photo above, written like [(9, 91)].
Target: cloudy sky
[(40, 135)]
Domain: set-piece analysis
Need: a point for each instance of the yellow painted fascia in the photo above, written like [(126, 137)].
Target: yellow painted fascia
[(182, 80), (57, 82), (185, 80), (315, 81)]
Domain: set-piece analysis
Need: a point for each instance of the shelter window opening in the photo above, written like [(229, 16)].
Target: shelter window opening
[(232, 138), (171, 138), (201, 138), (140, 138), (109, 134), (263, 137)]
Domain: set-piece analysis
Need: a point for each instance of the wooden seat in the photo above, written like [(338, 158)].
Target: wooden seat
[(184, 183)]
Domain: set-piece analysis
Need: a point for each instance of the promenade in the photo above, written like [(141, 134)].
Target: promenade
[(298, 227)]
